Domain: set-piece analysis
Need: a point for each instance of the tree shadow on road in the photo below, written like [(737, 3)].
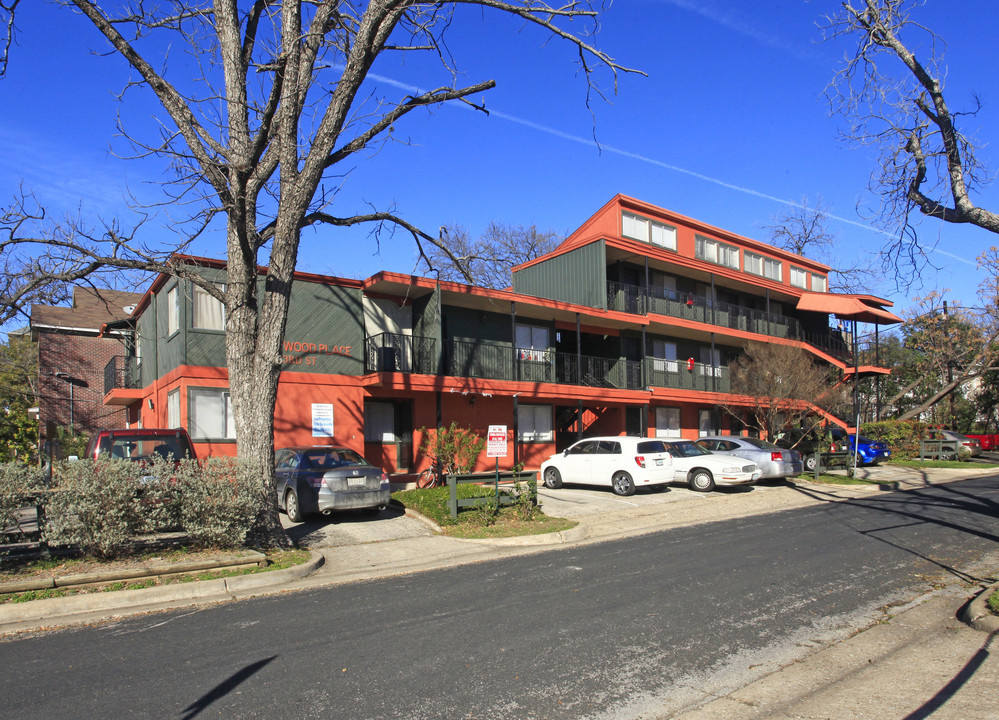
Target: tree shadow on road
[(225, 687)]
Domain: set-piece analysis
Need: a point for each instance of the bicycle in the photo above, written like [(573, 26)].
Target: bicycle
[(431, 477)]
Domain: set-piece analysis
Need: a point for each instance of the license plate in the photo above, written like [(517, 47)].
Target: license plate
[(354, 482), (659, 462)]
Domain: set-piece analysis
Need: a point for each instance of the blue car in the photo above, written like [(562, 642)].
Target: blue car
[(869, 452)]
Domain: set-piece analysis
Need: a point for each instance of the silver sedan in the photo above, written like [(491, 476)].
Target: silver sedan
[(776, 463)]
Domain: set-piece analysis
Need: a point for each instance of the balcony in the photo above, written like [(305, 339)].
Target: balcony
[(121, 372), (687, 306), (674, 374), (392, 352)]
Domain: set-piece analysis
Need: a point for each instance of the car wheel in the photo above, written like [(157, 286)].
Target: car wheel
[(553, 478), (701, 480), (622, 484), (291, 507), (810, 463)]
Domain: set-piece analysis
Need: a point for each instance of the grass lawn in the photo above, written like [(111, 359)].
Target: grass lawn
[(958, 464), (509, 521), (62, 567)]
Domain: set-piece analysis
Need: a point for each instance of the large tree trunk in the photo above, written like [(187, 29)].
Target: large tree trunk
[(255, 326)]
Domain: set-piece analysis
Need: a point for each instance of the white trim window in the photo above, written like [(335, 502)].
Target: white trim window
[(711, 362), (173, 409), (668, 422), (763, 266), (173, 310), (716, 252), (799, 277), (534, 423), (664, 356), (641, 228), (707, 422), (211, 414), (532, 343), (818, 283), (207, 313)]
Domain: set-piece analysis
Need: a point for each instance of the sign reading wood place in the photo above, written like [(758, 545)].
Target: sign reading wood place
[(301, 353)]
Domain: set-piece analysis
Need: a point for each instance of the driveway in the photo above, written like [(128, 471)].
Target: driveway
[(354, 528)]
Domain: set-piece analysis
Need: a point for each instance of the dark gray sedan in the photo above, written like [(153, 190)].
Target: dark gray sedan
[(776, 463), (323, 479)]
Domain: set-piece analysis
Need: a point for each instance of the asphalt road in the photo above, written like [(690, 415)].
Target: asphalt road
[(626, 629)]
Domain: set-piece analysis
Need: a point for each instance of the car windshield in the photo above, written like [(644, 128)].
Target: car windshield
[(143, 449), (686, 449), (864, 440), (327, 459), (652, 446), (761, 444)]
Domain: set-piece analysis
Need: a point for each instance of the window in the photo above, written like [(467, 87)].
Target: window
[(716, 252), (650, 231), (532, 343), (211, 414), (173, 311), (173, 409), (379, 422), (710, 362), (707, 423), (207, 313), (763, 266), (818, 283), (799, 278), (668, 422), (534, 423), (664, 356)]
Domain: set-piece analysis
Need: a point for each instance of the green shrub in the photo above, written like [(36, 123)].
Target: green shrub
[(95, 506), (19, 484), (901, 436), (222, 502), (456, 448)]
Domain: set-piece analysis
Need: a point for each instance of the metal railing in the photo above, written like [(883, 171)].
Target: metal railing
[(675, 374), (393, 352), (121, 372)]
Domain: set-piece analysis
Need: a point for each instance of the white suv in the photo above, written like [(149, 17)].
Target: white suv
[(625, 463)]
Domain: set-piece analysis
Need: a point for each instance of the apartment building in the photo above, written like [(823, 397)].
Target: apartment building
[(627, 327)]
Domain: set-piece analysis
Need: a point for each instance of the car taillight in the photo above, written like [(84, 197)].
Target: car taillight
[(640, 460), (776, 456)]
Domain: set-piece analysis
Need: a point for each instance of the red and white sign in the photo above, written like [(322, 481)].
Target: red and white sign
[(496, 441)]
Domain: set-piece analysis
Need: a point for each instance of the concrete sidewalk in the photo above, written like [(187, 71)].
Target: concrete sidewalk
[(920, 661)]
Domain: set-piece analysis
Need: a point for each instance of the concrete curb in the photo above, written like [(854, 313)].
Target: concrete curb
[(977, 614), (64, 609)]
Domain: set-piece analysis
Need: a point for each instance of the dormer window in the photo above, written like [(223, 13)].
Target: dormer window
[(716, 252), (641, 228)]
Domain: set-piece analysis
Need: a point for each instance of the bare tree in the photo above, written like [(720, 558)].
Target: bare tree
[(261, 139), (488, 261), (927, 164), (785, 387), (803, 230)]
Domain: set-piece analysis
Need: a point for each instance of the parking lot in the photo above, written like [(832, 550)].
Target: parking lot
[(356, 528)]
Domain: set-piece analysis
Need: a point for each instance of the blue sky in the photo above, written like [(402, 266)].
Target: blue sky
[(730, 127)]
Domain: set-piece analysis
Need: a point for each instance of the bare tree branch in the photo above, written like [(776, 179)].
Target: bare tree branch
[(926, 163)]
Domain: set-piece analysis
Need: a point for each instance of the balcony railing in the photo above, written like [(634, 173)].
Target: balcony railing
[(121, 372), (392, 352), (571, 369), (674, 374)]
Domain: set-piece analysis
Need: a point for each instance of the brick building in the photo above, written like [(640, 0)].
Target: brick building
[(72, 356)]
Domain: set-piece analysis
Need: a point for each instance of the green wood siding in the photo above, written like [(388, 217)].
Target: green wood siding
[(578, 276)]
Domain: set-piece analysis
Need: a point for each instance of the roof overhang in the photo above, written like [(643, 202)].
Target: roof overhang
[(863, 308)]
